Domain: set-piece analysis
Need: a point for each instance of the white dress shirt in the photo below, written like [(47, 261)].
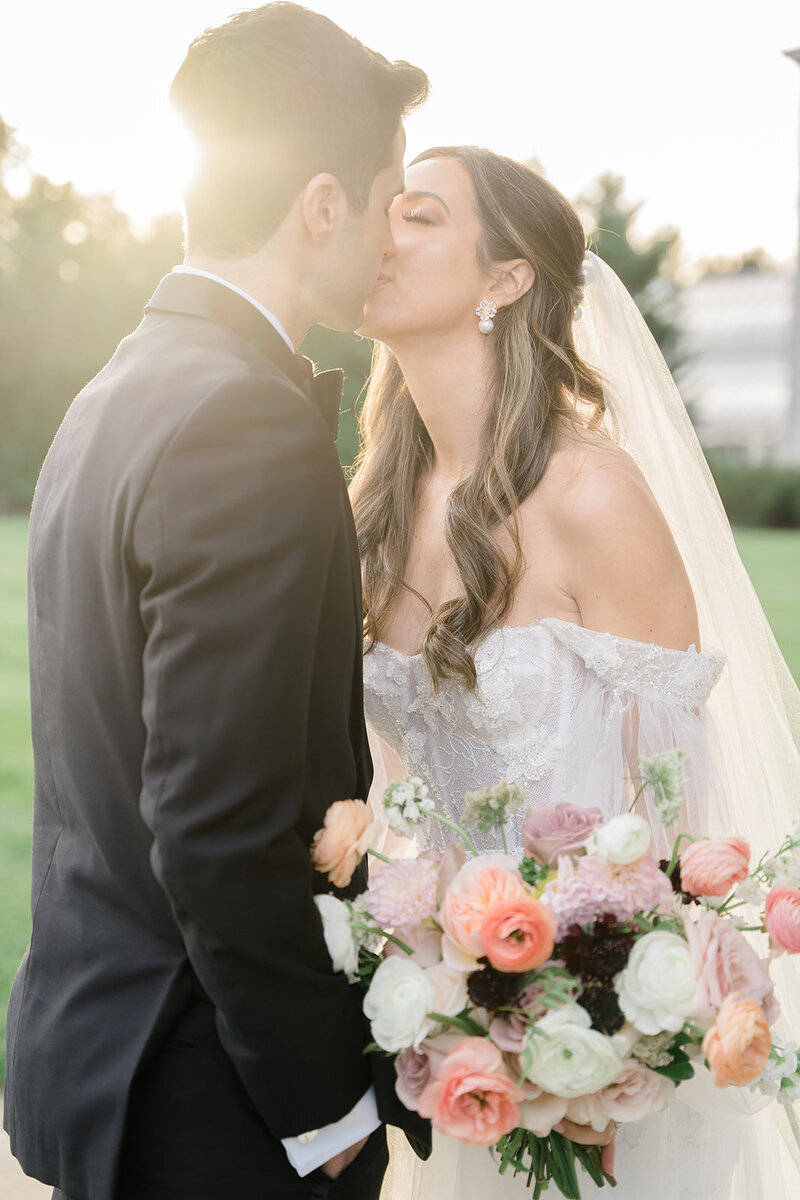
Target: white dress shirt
[(273, 320), (310, 1150)]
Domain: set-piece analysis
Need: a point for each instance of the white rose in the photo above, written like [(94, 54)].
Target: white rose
[(623, 839), (338, 934), (657, 986), (450, 993), (568, 1058), (398, 1002)]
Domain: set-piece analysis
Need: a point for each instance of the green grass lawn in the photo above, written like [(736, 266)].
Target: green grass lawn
[(772, 557), (15, 760)]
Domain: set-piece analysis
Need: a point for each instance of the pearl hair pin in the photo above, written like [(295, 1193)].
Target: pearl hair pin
[(486, 310)]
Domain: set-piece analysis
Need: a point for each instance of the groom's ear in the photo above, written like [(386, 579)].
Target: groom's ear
[(324, 207), (512, 280)]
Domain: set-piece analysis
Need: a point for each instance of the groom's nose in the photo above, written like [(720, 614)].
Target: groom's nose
[(388, 241)]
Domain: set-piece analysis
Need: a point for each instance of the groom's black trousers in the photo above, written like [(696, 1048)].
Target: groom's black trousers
[(192, 1133)]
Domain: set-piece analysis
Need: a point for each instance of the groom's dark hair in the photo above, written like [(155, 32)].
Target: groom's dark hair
[(273, 97)]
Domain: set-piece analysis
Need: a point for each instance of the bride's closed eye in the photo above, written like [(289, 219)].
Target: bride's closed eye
[(416, 215)]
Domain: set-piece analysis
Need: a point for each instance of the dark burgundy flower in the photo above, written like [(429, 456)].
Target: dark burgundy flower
[(600, 1001), (599, 952), (492, 989)]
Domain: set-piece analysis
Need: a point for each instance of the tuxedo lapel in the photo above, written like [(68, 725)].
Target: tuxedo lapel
[(197, 296)]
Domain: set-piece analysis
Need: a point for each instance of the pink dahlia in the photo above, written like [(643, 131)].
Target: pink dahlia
[(403, 893), (587, 887)]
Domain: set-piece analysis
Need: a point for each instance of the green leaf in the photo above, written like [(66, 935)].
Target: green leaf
[(678, 1071), (462, 1022)]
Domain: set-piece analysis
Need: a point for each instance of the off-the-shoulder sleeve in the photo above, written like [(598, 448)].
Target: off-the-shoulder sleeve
[(636, 699), (683, 677)]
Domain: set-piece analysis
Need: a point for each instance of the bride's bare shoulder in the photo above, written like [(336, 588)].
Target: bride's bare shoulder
[(590, 476), (610, 544)]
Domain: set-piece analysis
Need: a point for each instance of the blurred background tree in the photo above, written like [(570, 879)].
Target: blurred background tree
[(74, 279), (647, 268)]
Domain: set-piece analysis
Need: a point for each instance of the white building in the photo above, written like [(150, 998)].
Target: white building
[(738, 380)]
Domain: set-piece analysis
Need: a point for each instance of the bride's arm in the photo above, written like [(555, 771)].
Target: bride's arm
[(624, 570)]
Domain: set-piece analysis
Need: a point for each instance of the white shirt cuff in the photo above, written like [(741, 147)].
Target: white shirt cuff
[(310, 1150)]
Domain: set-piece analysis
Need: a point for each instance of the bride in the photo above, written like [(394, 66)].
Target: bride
[(551, 588)]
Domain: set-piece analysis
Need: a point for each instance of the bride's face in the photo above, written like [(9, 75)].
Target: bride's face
[(430, 281)]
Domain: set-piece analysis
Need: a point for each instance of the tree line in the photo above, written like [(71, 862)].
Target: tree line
[(75, 277)]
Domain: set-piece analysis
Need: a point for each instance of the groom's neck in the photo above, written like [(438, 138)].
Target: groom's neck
[(270, 277)]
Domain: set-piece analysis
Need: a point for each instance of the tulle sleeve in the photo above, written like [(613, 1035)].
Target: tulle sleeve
[(634, 699), (387, 768)]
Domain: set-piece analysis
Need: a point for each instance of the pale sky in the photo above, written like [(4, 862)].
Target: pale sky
[(692, 100)]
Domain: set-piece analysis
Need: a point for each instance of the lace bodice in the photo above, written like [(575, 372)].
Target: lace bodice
[(559, 709)]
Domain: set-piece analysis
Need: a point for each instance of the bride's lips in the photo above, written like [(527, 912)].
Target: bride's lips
[(380, 282)]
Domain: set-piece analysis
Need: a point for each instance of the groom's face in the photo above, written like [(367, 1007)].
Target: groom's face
[(362, 243)]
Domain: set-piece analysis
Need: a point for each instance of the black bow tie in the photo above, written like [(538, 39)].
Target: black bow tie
[(325, 389)]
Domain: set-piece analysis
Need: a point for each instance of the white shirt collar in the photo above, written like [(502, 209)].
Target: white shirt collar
[(273, 320)]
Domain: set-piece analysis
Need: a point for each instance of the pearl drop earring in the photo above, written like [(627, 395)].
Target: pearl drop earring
[(486, 310)]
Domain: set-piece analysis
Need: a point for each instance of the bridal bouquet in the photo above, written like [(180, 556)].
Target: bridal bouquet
[(580, 980)]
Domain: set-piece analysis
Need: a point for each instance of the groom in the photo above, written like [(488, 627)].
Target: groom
[(176, 1028)]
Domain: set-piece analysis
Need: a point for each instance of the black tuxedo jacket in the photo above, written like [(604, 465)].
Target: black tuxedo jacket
[(195, 655)]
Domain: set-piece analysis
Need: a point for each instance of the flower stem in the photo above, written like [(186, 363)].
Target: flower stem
[(635, 798), (389, 936), (452, 825), (678, 841), (377, 854)]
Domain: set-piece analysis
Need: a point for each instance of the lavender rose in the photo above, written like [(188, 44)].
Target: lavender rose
[(413, 1069), (557, 829), (509, 1030)]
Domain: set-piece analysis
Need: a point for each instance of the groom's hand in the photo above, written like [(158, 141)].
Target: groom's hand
[(586, 1136), (334, 1166)]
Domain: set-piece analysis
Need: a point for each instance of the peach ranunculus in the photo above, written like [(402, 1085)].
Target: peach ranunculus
[(479, 885), (472, 1097), (738, 1045), (713, 867), (782, 918), (343, 841), (518, 934)]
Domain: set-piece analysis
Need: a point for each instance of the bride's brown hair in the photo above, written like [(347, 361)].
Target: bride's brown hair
[(540, 381)]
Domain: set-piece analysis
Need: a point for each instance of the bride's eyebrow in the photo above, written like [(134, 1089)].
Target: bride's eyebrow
[(423, 195)]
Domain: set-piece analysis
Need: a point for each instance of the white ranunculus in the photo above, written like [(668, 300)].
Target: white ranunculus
[(657, 986), (398, 1002), (622, 840), (338, 934), (450, 993), (563, 1055)]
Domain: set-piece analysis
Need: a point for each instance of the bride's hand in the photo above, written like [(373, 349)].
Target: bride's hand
[(586, 1136)]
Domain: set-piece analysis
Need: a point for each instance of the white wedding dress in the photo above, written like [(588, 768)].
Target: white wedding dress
[(563, 711)]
